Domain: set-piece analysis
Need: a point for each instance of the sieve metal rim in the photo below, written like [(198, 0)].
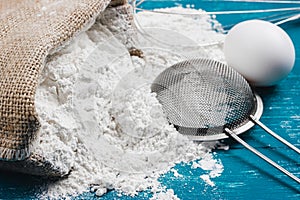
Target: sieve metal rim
[(241, 129)]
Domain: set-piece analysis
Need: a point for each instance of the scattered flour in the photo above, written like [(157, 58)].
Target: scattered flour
[(175, 172), (101, 121), (213, 166), (169, 194)]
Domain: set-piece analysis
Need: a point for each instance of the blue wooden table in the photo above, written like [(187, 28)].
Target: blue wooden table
[(245, 176)]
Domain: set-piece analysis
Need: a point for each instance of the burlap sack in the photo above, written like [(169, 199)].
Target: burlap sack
[(29, 31)]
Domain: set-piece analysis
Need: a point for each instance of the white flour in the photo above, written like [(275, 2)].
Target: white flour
[(100, 119)]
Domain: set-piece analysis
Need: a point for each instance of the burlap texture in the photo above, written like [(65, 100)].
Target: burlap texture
[(29, 31), (36, 165)]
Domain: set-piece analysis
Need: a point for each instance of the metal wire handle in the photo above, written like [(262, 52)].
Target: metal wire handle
[(265, 128), (262, 156)]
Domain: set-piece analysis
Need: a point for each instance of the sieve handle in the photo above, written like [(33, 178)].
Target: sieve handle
[(264, 127), (262, 156)]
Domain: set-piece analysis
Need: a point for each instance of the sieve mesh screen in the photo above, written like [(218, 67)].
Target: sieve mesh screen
[(203, 96)]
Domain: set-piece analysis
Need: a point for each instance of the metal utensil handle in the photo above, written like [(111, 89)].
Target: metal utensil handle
[(253, 150), (264, 127), (292, 18)]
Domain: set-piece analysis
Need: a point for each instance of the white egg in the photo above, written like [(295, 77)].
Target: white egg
[(261, 51)]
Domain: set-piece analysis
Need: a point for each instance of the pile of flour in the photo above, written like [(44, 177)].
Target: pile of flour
[(101, 121)]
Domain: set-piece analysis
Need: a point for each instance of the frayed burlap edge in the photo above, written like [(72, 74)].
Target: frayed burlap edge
[(36, 165)]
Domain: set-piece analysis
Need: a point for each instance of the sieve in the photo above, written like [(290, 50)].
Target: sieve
[(207, 100)]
